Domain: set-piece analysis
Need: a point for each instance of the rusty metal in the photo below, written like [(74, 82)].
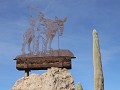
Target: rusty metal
[(39, 37), (41, 31)]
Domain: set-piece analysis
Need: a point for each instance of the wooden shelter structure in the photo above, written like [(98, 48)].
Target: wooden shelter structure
[(30, 62)]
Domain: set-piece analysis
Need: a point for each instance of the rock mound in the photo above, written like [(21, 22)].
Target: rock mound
[(53, 79)]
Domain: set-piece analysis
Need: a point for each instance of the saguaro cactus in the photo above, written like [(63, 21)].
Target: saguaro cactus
[(98, 73), (79, 86)]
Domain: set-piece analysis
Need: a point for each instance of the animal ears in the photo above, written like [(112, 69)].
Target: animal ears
[(65, 19), (41, 14), (56, 18)]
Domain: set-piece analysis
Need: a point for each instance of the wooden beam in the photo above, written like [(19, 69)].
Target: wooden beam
[(43, 63)]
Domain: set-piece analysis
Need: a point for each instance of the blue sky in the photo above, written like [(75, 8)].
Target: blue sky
[(83, 16)]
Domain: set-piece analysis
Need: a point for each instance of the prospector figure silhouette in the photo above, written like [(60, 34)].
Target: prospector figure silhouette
[(29, 34)]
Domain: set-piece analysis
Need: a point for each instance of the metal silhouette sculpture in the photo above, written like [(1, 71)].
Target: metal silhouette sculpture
[(29, 34), (45, 29), (39, 38), (52, 27)]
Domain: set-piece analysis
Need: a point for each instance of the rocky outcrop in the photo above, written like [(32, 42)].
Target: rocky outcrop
[(53, 79)]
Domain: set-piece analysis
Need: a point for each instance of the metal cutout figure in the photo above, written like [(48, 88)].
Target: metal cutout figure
[(43, 29)]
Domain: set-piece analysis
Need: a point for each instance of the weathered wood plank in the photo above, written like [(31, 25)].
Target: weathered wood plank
[(43, 63)]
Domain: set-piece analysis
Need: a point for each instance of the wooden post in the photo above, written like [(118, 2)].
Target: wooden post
[(26, 70), (27, 73)]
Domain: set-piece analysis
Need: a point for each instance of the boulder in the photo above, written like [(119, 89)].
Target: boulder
[(53, 79)]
